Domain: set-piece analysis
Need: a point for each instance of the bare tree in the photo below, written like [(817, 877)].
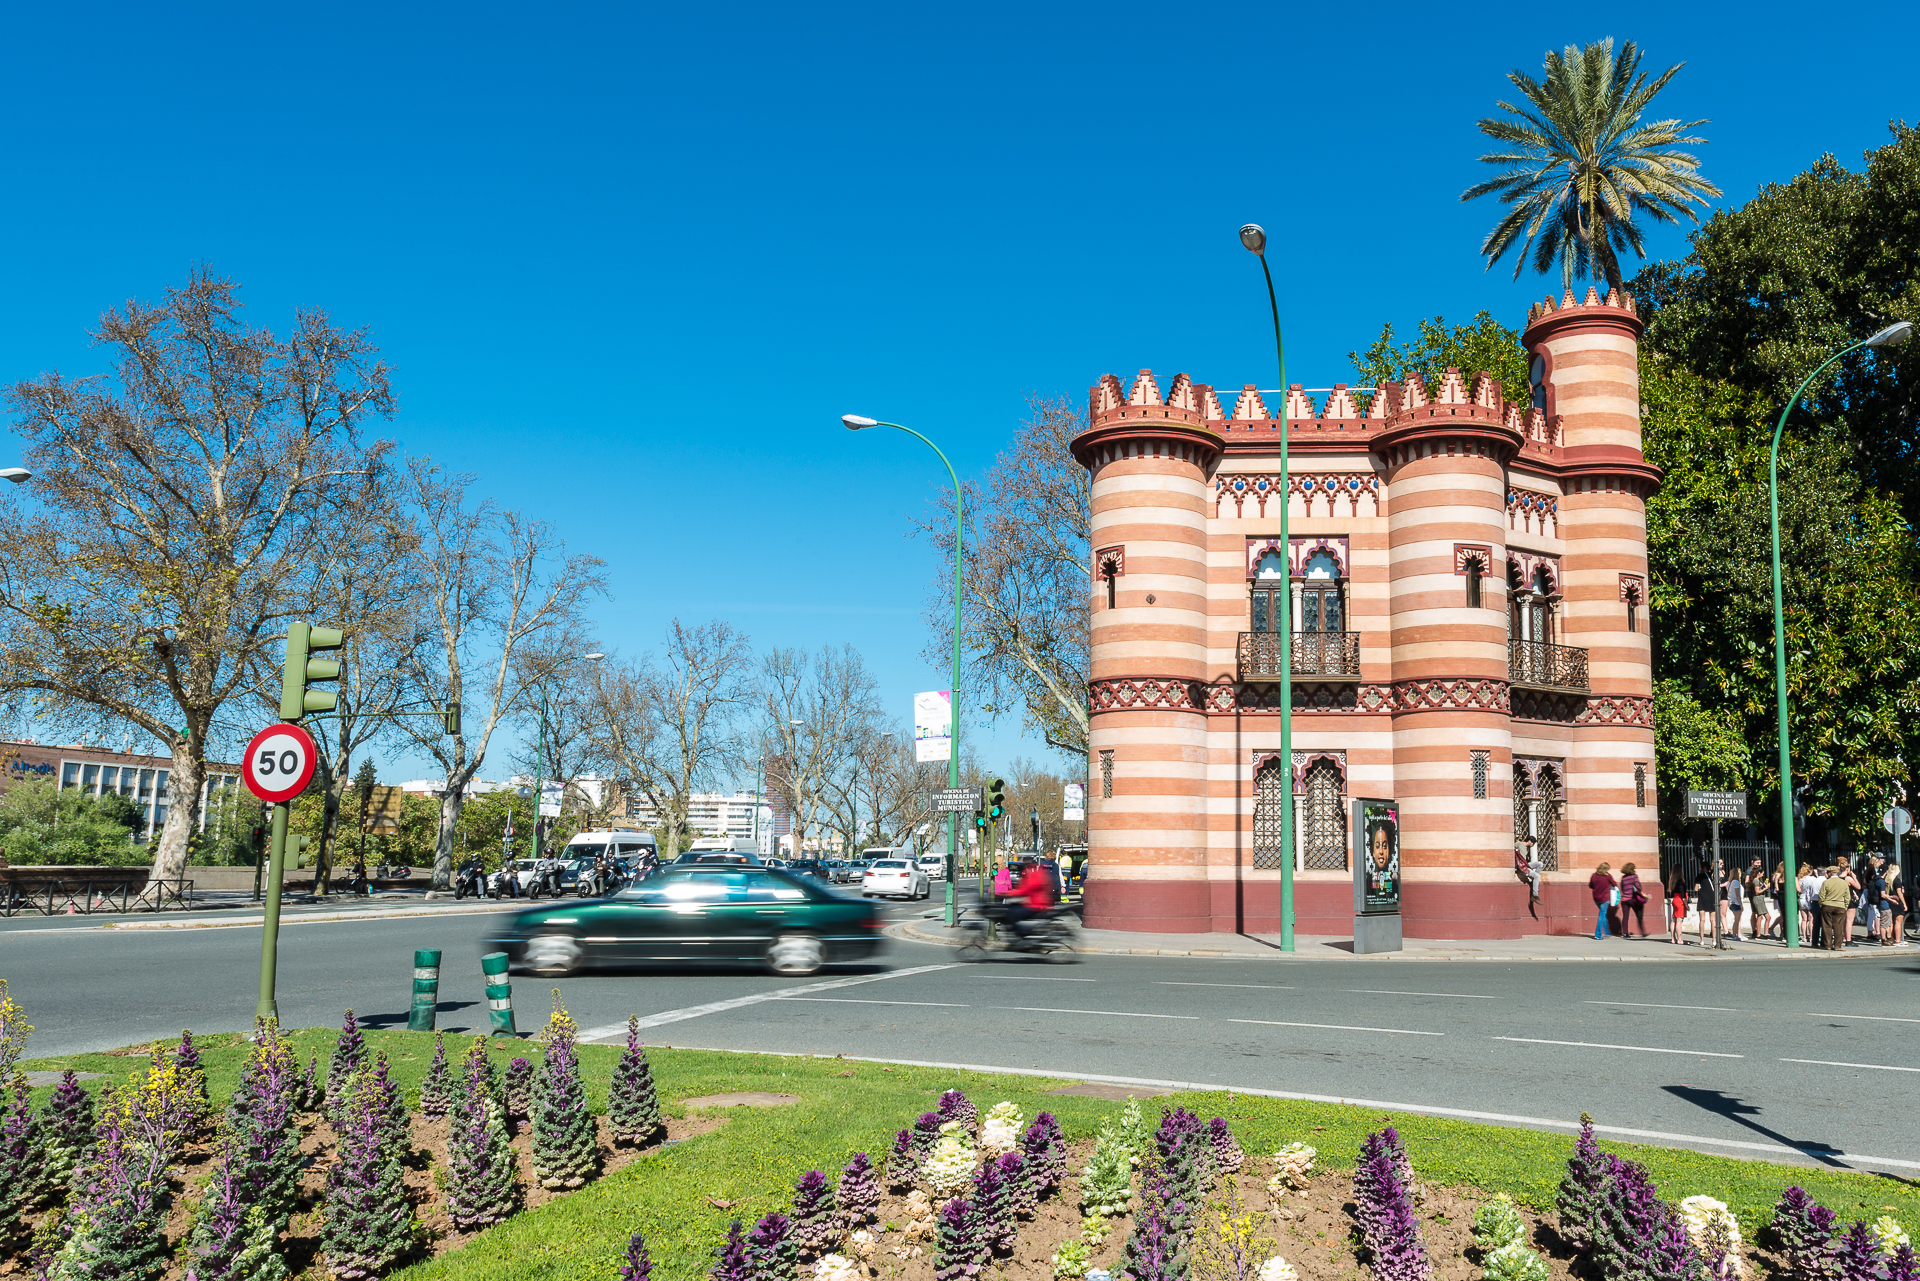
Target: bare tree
[(835, 701), (181, 503), (1027, 562), (667, 726), (491, 583), (559, 691), (850, 794)]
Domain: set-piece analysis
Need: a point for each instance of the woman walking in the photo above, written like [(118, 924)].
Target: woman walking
[(1602, 884), (1676, 907), (1707, 904), (1633, 899)]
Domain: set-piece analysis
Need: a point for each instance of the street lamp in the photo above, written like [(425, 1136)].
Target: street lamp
[(18, 475), (855, 422), (540, 756), (1254, 237), (1894, 335)]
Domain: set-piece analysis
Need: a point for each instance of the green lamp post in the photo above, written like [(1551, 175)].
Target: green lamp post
[(1894, 335), (855, 422), (1254, 237)]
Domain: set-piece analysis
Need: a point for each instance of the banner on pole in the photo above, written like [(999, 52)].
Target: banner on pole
[(1075, 808), (933, 725)]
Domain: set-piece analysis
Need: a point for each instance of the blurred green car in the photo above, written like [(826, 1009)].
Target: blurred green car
[(700, 914)]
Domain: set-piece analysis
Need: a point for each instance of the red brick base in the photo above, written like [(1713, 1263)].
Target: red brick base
[(1431, 910)]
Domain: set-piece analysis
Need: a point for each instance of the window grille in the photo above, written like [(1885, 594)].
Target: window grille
[(1324, 838), (1106, 775), (1267, 849), (1640, 784), (1479, 775)]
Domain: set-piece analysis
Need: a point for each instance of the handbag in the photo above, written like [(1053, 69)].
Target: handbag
[(1614, 899)]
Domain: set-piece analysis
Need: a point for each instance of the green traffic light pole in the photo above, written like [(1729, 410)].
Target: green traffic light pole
[(1894, 335), (855, 422), (1254, 237)]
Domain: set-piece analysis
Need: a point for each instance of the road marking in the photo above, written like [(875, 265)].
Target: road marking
[(1464, 996), (719, 1007), (1265, 987), (854, 1000), (1598, 1045), (1338, 1027), (1424, 1109), (1648, 1005), (1118, 1014), (1877, 1067), (1034, 978), (1877, 1018)]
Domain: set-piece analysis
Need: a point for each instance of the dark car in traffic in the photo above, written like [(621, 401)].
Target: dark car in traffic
[(701, 913)]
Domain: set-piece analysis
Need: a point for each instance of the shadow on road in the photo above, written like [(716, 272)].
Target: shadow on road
[(1733, 1109)]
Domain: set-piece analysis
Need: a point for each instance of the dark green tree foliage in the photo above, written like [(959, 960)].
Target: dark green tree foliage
[(349, 1056), (481, 1185), (1481, 345), (369, 1223), (436, 1088), (66, 1124), (633, 1104), (566, 1148)]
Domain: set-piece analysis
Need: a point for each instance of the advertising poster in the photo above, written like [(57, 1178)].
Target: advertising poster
[(933, 725), (1376, 877), (1075, 808)]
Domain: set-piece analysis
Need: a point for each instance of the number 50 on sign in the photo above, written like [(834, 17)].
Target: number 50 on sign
[(279, 762)]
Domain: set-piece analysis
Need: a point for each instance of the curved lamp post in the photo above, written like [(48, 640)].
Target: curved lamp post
[(855, 422), (1254, 237), (1894, 335)]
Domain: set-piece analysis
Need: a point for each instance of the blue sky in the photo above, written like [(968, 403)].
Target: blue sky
[(631, 263)]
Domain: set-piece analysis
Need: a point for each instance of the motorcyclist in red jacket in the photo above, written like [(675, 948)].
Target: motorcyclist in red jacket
[(1032, 895)]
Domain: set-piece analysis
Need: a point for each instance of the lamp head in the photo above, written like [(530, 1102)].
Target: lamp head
[(592, 658), (855, 422), (1894, 335), (18, 475), (1254, 237)]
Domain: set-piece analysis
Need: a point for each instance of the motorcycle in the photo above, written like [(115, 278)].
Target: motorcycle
[(503, 884), (1050, 935), (546, 879), (470, 879)]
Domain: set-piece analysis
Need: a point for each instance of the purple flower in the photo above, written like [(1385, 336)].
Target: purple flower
[(1227, 1156), (733, 1264), (636, 1265), (1859, 1255), (955, 1106), (1383, 1204), (859, 1195), (815, 1226), (903, 1161), (959, 1251), (993, 1209), (926, 1132), (771, 1250), (1807, 1234), (1045, 1148), (1579, 1198)]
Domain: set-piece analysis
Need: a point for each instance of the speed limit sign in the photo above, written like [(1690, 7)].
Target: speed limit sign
[(279, 762)]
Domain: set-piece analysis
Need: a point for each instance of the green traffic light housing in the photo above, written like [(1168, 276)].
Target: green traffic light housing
[(996, 800), (296, 700)]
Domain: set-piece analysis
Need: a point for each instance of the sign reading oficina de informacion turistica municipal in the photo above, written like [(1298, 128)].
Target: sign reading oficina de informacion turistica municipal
[(1720, 805)]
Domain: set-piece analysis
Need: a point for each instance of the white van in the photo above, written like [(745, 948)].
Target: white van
[(619, 845), (723, 845)]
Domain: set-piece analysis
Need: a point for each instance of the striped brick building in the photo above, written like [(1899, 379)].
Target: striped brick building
[(1466, 577)]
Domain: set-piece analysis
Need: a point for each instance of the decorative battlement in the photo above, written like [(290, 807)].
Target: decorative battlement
[(1617, 312), (1615, 301)]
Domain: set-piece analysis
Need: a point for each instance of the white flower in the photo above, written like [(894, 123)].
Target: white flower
[(949, 1166), (918, 1206), (1888, 1235), (1292, 1165), (1714, 1231), (1277, 1269), (837, 1267), (997, 1137), (1008, 1112), (862, 1243)]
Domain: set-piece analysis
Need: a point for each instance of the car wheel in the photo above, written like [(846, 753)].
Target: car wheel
[(796, 954), (553, 955)]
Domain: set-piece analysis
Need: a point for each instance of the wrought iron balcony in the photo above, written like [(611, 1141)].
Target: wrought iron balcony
[(1316, 656), (1538, 665)]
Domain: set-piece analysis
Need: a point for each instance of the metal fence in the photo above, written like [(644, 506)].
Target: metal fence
[(83, 896)]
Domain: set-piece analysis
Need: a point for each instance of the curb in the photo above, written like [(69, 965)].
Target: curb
[(914, 933), (216, 923)]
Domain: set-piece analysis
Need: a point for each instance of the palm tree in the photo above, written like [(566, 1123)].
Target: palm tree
[(1580, 165)]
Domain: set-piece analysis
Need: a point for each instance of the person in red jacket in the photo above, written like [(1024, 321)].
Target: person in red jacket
[(1602, 884), (1032, 894)]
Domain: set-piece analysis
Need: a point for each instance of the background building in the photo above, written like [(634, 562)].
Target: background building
[(99, 772), (1466, 578)]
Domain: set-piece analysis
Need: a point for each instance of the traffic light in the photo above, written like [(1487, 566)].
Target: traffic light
[(296, 700), (996, 800), (451, 718)]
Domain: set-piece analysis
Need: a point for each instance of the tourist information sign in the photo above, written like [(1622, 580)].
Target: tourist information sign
[(956, 800), (1716, 807)]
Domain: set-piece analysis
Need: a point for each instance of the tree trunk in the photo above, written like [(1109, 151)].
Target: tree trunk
[(330, 810), (184, 782), (443, 845)]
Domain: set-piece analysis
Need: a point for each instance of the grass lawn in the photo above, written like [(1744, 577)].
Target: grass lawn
[(754, 1160)]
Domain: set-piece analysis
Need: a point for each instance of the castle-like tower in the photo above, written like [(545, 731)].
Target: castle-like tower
[(1466, 579)]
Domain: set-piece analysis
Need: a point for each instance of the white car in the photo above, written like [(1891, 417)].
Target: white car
[(894, 878), (934, 866)]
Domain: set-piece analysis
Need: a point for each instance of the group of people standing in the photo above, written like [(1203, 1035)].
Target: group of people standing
[(1829, 901)]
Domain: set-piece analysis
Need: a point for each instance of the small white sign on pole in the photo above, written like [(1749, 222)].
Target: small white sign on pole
[(933, 725), (1075, 808)]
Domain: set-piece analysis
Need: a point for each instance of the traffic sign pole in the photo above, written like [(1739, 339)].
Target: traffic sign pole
[(277, 767), (270, 936)]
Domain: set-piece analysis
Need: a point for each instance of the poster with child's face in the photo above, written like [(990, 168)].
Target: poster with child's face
[(1377, 860)]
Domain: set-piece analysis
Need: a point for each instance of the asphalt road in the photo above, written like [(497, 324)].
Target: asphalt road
[(1775, 1058)]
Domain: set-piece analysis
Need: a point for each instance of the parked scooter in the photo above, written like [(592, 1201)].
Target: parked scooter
[(504, 883), (470, 879)]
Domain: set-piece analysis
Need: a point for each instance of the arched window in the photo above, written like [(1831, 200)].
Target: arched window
[(1321, 595), (1633, 608), (1110, 570), (1536, 813), (1323, 836), (1474, 570), (1530, 616), (1270, 587), (1267, 849)]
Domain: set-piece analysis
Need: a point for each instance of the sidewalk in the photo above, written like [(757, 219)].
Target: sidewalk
[(336, 908), (1539, 947)]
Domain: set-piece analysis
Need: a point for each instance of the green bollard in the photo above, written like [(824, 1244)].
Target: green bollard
[(426, 989), (499, 993)]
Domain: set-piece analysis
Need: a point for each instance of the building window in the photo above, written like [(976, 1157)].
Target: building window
[(1323, 833), (1536, 811), (1268, 850), (1479, 760), (1640, 784), (1106, 775), (1474, 572), (1271, 587)]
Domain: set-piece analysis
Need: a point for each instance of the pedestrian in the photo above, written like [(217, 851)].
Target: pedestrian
[(1757, 896), (1834, 899), (1776, 903), (1535, 867), (1605, 895), (1633, 899), (1733, 895), (1893, 917), (1676, 897), (1705, 905), (1810, 922)]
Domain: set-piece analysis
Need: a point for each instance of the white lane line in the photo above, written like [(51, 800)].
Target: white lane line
[(1264, 987), (1877, 1018), (1338, 1027), (1034, 978), (1877, 1067), (1118, 1014), (1464, 996), (1648, 1005), (1598, 1045), (854, 1000), (612, 1030), (1424, 1109)]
